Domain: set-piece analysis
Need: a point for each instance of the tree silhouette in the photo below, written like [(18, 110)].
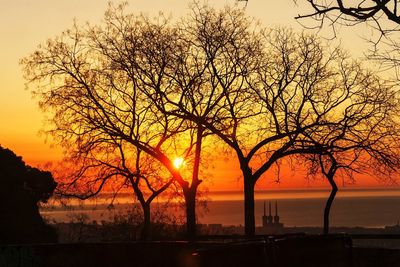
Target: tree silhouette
[(98, 76), (115, 168), (137, 84), (382, 17), (380, 14), (345, 157), (363, 139), (189, 88), (22, 188), (263, 92)]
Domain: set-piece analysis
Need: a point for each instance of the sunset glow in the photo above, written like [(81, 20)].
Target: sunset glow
[(150, 125), (178, 162), (21, 120)]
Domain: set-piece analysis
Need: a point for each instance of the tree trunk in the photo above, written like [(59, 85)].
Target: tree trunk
[(249, 220), (190, 200), (191, 192), (329, 202), (145, 231)]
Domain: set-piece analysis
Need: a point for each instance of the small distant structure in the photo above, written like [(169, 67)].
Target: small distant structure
[(271, 224), (393, 228)]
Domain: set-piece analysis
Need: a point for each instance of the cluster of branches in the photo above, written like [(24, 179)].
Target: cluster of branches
[(136, 86), (383, 15)]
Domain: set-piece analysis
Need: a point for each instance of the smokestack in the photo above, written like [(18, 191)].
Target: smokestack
[(265, 209), (270, 212)]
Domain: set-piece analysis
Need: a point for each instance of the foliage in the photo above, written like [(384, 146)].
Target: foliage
[(17, 176), (22, 188)]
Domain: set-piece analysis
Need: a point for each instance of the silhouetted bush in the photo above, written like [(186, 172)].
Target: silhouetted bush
[(21, 189), (122, 226)]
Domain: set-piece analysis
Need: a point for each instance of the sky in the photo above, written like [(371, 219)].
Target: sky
[(24, 24)]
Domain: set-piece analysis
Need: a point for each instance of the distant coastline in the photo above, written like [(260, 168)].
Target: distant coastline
[(272, 194), (371, 209)]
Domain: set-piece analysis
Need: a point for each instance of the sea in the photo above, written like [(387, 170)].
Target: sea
[(351, 208)]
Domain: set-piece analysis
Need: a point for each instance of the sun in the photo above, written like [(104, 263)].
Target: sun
[(178, 162)]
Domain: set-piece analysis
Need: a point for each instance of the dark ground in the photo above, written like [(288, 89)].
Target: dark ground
[(336, 250)]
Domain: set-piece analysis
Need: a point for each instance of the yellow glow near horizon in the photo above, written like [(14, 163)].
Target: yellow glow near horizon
[(178, 162), (26, 24)]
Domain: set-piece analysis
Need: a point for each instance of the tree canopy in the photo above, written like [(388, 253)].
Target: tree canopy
[(22, 188), (154, 85)]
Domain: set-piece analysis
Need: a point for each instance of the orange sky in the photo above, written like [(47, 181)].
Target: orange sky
[(26, 23)]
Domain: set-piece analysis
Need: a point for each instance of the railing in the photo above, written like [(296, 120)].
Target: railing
[(375, 236), (383, 241)]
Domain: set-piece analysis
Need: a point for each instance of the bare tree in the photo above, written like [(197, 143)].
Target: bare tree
[(114, 168), (351, 160), (382, 15), (190, 89), (346, 164), (304, 89), (208, 75), (260, 91), (89, 81), (138, 85), (362, 139), (377, 149), (152, 53), (263, 92)]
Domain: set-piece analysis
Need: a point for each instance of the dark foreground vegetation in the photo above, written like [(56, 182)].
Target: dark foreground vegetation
[(21, 189), (294, 250)]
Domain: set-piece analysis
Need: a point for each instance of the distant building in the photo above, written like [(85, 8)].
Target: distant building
[(393, 228), (271, 224)]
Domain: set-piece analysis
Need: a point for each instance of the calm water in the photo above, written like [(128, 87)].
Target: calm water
[(369, 208), (369, 212)]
